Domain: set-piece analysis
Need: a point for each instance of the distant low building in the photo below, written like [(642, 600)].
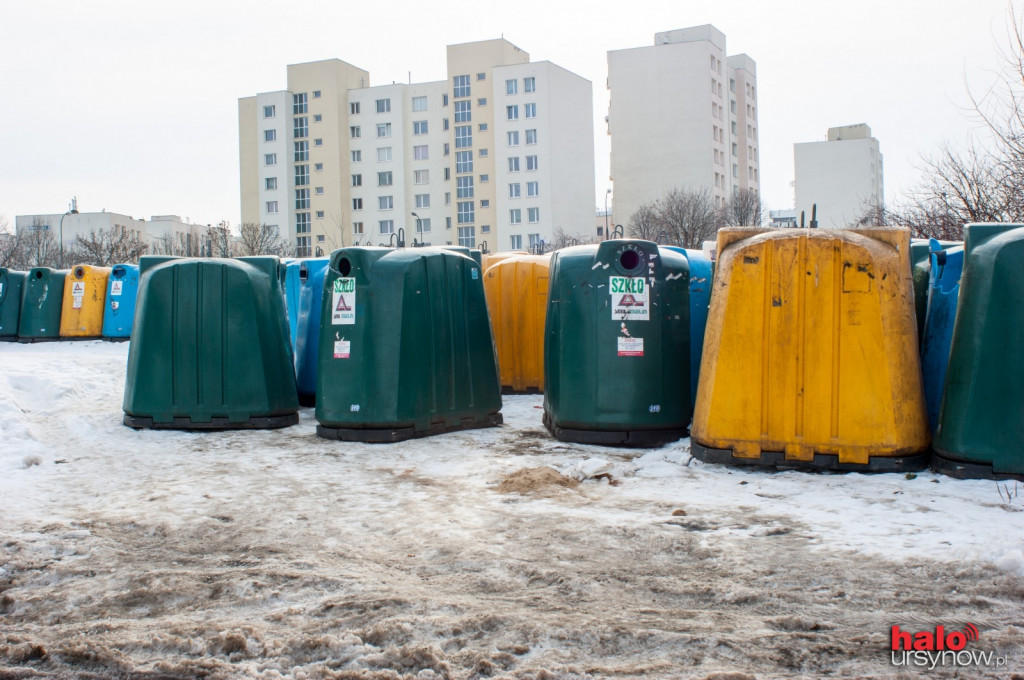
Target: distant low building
[(842, 176), (783, 218), (162, 233)]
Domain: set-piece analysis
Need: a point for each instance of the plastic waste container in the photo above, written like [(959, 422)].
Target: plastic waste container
[(405, 346), (517, 300), (310, 274), (11, 285), (42, 298), (473, 253), (943, 291), (980, 432), (85, 293), (617, 344), (487, 260), (210, 347), (701, 275), (119, 311), (811, 356)]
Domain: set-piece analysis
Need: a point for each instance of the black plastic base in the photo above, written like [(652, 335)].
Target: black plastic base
[(507, 389), (641, 439), (307, 399), (258, 423), (963, 470), (124, 339), (30, 340), (9, 338), (386, 435), (822, 461)]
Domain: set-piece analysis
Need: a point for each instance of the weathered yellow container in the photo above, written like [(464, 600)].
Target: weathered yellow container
[(488, 259), (810, 353), (517, 300), (85, 293)]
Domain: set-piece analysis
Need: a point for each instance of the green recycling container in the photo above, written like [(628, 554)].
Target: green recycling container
[(617, 344), (210, 348), (468, 252), (980, 434), (42, 298), (405, 346), (11, 285)]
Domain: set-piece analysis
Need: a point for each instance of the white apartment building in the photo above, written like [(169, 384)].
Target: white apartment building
[(682, 115), (350, 163), (160, 232), (842, 176)]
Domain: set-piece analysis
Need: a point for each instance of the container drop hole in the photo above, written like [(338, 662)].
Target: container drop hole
[(344, 267), (629, 259), (39, 275), (79, 272)]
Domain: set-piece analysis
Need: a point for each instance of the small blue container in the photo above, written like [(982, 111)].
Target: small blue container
[(304, 286), (943, 292), (701, 274), (119, 312)]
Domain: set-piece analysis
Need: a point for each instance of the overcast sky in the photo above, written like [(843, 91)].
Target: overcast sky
[(131, 105)]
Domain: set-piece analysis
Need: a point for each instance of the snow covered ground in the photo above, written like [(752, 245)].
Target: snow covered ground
[(278, 554)]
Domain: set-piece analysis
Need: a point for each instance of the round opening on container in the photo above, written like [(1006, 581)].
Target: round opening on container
[(630, 259), (118, 271), (303, 273), (79, 272), (344, 266), (39, 274)]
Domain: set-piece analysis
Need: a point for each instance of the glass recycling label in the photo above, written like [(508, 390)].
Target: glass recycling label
[(343, 302), (629, 298)]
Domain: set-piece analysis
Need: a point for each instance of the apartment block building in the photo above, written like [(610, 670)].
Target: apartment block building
[(842, 176), (500, 153), (682, 115), (162, 233)]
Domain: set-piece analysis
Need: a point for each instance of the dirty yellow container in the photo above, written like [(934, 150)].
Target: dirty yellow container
[(517, 299), (810, 353), (85, 291), (488, 259)]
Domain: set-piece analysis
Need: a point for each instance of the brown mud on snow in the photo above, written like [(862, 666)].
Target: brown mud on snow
[(538, 479)]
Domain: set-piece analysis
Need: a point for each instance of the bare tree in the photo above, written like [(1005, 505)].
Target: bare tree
[(688, 217), (643, 223), (260, 239), (11, 247), (744, 209), (218, 240), (39, 248), (106, 247)]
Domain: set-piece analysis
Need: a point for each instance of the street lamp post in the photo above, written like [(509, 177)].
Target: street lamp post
[(606, 194), (419, 229)]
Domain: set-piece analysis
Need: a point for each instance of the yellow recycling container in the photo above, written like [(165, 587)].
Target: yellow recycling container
[(517, 300), (488, 259), (85, 292), (810, 353)]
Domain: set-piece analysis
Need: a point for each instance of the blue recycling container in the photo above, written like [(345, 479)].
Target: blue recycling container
[(119, 312), (701, 274), (943, 292), (291, 287), (310, 275)]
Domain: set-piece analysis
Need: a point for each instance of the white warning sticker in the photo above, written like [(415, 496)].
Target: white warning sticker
[(77, 293), (629, 298), (343, 302), (631, 347), (342, 349), (115, 287)]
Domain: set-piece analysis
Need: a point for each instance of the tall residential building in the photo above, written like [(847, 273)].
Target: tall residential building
[(842, 176), (682, 115), (499, 153)]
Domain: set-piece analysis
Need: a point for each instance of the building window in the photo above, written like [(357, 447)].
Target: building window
[(319, 191), (485, 203), (301, 175), (463, 136), (320, 216), (354, 132), (270, 159), (302, 199), (444, 125), (303, 246), (464, 187), (535, 241), (357, 204), (533, 215), (447, 149), (271, 183), (422, 200), (357, 156), (463, 112), (466, 212), (421, 176), (735, 149), (317, 118), (353, 108), (420, 153), (357, 180), (357, 227), (530, 110), (384, 154), (383, 129), (269, 111), (318, 166), (513, 164), (385, 202), (461, 86), (447, 198), (512, 86), (515, 216), (463, 161), (447, 174), (529, 84), (467, 237), (482, 101), (299, 104), (301, 152), (386, 226), (513, 137), (484, 179), (422, 224), (481, 76), (483, 153), (318, 142), (482, 127), (531, 136), (444, 99), (384, 179), (383, 106), (533, 188), (419, 127), (514, 190), (515, 242), (512, 112), (316, 94), (271, 207), (531, 162), (269, 135), (419, 103), (302, 224)]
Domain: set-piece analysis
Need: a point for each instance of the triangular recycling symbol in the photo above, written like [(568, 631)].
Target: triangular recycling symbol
[(629, 301), (342, 306)]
